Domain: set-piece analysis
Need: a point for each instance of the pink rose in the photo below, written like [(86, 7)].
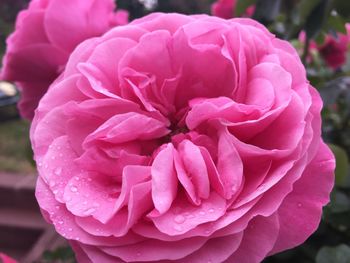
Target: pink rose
[(182, 139), (333, 50), (6, 259), (45, 35), (226, 9)]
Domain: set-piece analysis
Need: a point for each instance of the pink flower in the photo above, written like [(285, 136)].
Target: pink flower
[(226, 9), (333, 50), (6, 259), (45, 35), (182, 139)]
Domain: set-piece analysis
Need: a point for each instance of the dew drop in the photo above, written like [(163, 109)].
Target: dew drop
[(60, 222), (211, 210), (89, 211), (202, 213), (55, 191), (190, 216), (70, 229), (77, 178), (40, 164), (299, 205), (52, 183), (74, 189), (179, 219), (57, 207), (58, 171), (77, 238), (178, 228), (89, 179)]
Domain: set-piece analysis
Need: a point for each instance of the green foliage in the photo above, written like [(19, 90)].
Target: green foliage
[(242, 5), (342, 165), (61, 254), (338, 254)]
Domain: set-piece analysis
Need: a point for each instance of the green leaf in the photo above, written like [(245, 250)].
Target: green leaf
[(342, 165), (339, 254), (316, 20), (242, 5), (267, 10), (339, 202), (342, 7), (337, 23), (303, 10)]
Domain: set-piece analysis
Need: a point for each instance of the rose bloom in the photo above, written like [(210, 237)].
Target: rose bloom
[(333, 50), (182, 139), (45, 35), (226, 9)]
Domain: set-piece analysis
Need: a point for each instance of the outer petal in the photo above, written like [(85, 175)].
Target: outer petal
[(303, 206)]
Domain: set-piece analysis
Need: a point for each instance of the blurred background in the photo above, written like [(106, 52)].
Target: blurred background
[(318, 29)]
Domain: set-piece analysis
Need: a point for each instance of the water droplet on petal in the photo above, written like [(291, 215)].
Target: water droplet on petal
[(52, 183), (60, 222), (299, 205), (202, 213), (70, 229), (55, 191), (211, 210), (190, 216), (89, 211), (58, 171), (179, 219), (74, 189), (178, 228)]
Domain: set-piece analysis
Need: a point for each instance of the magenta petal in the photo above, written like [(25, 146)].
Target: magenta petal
[(145, 252), (175, 222), (164, 180), (216, 249), (259, 238), (195, 168), (303, 206)]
